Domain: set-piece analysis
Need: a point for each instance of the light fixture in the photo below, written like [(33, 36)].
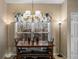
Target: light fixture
[(27, 14), (7, 22), (38, 13), (59, 23), (30, 17)]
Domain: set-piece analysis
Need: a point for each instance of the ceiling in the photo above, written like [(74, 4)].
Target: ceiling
[(36, 1)]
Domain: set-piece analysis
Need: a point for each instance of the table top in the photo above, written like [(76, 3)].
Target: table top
[(40, 44)]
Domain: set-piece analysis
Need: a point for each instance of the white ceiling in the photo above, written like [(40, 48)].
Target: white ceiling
[(36, 1)]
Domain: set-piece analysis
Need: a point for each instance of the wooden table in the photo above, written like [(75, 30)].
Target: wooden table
[(24, 44)]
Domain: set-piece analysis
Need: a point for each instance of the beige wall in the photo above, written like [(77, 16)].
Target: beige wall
[(58, 12), (53, 9), (3, 38), (62, 11)]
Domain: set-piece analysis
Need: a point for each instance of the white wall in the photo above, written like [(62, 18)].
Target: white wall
[(72, 6)]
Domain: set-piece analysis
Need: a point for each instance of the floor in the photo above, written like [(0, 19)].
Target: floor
[(56, 57)]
